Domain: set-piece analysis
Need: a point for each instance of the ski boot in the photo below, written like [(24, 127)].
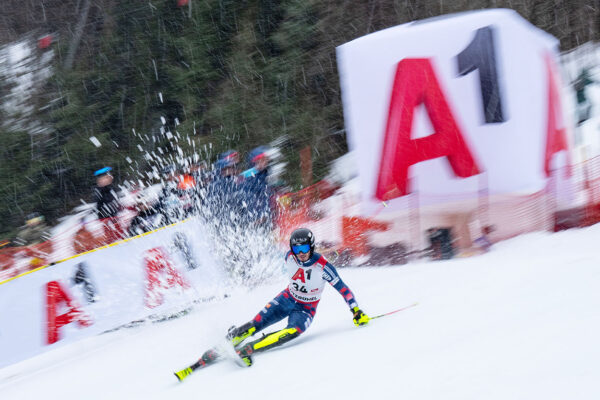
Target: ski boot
[(245, 354), (237, 335)]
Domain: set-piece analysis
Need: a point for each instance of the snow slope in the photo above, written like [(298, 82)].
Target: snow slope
[(520, 322)]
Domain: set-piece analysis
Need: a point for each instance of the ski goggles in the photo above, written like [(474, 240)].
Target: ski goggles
[(301, 248)]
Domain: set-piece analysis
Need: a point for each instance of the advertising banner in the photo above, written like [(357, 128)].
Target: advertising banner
[(432, 105), (157, 275)]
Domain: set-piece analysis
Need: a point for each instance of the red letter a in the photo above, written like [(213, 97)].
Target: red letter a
[(416, 83), (299, 275), (55, 295), (161, 275)]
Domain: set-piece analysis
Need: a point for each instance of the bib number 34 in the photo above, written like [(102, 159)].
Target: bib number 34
[(299, 288)]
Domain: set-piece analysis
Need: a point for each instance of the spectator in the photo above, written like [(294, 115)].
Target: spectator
[(225, 194), (257, 188), (34, 231), (176, 201), (107, 204), (230, 157), (584, 106), (170, 204), (145, 219), (440, 241), (483, 242), (36, 237), (224, 213), (187, 191)]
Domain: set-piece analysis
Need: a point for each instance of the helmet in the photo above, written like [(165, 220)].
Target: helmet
[(227, 159), (257, 153), (302, 236)]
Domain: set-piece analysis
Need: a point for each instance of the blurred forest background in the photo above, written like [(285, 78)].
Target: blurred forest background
[(234, 73)]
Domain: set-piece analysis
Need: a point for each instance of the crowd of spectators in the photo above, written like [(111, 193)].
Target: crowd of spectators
[(237, 207), (226, 196), (222, 194)]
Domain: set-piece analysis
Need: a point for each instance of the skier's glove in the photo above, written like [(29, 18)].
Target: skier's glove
[(360, 318)]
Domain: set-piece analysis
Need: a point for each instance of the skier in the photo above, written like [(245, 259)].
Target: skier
[(308, 271)]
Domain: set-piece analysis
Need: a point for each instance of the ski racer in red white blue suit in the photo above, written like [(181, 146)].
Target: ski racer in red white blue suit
[(308, 271)]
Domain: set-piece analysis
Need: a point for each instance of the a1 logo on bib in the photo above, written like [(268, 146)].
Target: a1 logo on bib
[(301, 275)]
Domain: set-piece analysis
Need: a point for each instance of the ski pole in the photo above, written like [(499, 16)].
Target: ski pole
[(395, 311)]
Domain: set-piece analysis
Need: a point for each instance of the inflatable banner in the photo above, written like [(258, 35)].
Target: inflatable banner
[(432, 105)]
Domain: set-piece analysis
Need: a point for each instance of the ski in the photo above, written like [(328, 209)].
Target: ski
[(213, 355), (209, 357)]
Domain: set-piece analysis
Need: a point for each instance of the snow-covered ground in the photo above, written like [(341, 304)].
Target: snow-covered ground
[(520, 322)]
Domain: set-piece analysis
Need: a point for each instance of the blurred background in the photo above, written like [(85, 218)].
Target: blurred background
[(160, 90)]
